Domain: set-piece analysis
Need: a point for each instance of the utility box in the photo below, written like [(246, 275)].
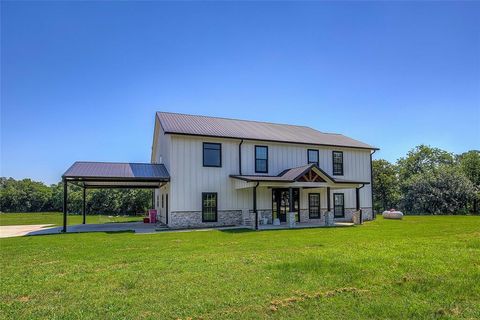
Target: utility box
[(152, 214)]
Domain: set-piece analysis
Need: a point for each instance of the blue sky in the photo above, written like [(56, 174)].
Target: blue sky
[(81, 81)]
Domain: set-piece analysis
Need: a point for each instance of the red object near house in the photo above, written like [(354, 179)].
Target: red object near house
[(146, 220), (152, 213)]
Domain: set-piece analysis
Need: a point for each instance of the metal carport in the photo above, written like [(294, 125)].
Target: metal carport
[(89, 175)]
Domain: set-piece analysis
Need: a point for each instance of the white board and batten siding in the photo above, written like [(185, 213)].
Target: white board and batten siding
[(183, 157)]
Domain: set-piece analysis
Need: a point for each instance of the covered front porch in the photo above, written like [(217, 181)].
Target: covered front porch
[(302, 197)]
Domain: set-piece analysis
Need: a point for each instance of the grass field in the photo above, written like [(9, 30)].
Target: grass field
[(56, 218), (419, 268)]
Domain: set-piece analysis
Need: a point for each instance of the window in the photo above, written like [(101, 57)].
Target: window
[(314, 205), (162, 200), (312, 156), (337, 163), (212, 154), (338, 205), (261, 159), (209, 207)]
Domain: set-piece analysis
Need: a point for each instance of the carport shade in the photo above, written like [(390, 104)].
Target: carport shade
[(111, 175)]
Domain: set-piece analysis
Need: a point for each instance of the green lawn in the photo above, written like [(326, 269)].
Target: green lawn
[(56, 218), (420, 268)]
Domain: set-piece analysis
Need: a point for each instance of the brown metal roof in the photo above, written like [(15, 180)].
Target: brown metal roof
[(252, 130), (105, 171)]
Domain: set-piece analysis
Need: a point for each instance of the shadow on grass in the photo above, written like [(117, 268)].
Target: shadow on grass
[(115, 232), (35, 234), (243, 230)]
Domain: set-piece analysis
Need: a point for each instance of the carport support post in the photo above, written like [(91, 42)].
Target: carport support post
[(64, 205), (153, 198), (83, 206)]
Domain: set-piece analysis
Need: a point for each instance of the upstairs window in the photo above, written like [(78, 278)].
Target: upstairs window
[(337, 163), (312, 156), (209, 207), (261, 159), (212, 154)]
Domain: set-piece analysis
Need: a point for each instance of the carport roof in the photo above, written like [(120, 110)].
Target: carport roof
[(113, 174)]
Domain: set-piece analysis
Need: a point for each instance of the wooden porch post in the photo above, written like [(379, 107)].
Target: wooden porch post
[(290, 200), (328, 200), (255, 206)]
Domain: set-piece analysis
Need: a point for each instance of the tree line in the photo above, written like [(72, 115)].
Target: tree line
[(31, 196), (428, 181)]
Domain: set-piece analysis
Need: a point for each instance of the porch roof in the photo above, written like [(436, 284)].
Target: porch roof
[(302, 173), (116, 174)]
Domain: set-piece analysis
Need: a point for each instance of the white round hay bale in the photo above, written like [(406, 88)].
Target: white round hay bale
[(392, 215)]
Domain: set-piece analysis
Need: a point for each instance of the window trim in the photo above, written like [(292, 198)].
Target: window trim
[(216, 206), (255, 155), (319, 206), (343, 205), (203, 155), (318, 157), (333, 164)]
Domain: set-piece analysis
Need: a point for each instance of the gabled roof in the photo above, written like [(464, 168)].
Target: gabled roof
[(176, 123), (296, 174)]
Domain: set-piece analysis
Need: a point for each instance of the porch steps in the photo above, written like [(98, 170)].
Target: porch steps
[(248, 223)]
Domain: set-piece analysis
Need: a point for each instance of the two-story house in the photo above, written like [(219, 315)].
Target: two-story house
[(228, 172)]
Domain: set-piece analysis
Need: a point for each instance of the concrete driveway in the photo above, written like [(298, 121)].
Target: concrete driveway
[(33, 230), (18, 231)]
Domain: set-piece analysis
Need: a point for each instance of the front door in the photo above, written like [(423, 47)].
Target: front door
[(280, 203)]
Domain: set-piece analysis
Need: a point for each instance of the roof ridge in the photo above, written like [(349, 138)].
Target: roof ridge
[(117, 162), (223, 127), (244, 120)]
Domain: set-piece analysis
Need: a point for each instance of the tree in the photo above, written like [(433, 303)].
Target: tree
[(469, 163), (31, 196), (386, 191), (445, 190), (24, 195), (423, 159)]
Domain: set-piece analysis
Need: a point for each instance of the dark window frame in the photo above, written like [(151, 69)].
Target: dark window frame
[(266, 160), (337, 173), (335, 206), (318, 157), (204, 194), (203, 155), (310, 216), (162, 201)]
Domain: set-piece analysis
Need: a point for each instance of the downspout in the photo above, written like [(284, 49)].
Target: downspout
[(255, 204), (240, 158), (358, 205), (374, 216)]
